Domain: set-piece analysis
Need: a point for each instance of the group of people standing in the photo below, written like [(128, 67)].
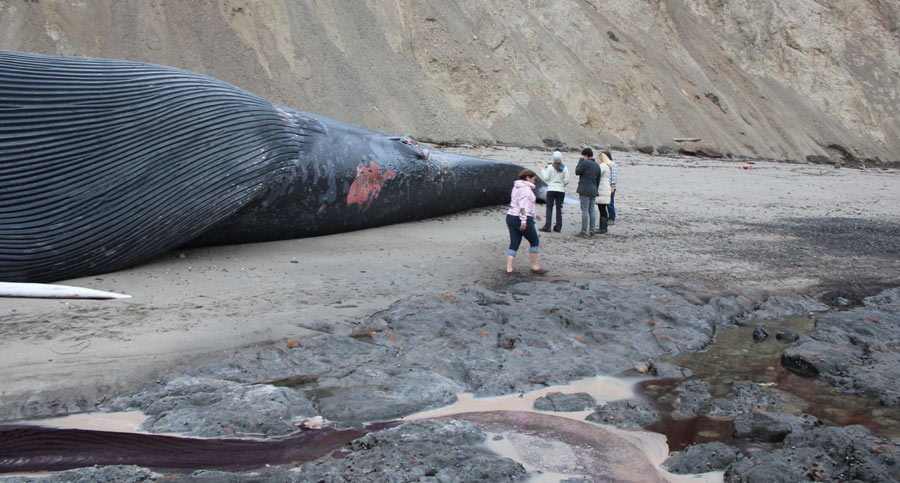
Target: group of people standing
[(596, 184)]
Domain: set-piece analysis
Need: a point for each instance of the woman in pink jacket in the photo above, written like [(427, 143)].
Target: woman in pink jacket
[(520, 221)]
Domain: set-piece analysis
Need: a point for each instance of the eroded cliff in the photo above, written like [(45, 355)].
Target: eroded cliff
[(787, 79)]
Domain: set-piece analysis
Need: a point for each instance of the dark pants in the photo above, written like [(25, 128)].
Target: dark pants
[(612, 206), (604, 211), (515, 235), (604, 218), (554, 198)]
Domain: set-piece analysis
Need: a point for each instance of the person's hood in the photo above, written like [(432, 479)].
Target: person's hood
[(521, 182)]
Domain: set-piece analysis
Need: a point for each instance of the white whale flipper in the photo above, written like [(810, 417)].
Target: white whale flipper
[(43, 290)]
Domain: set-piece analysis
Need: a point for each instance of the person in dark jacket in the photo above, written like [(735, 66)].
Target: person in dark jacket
[(588, 172)]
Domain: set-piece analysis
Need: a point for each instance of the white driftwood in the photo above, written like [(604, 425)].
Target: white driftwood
[(43, 290)]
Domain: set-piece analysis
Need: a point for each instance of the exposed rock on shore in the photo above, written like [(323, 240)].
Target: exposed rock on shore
[(626, 413), (823, 454), (442, 450), (559, 402), (424, 350), (691, 398), (701, 458), (210, 407), (771, 427), (857, 350)]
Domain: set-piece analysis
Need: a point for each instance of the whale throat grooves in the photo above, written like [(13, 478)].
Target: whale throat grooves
[(107, 163)]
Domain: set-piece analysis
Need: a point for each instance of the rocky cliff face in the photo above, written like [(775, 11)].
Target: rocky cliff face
[(786, 79)]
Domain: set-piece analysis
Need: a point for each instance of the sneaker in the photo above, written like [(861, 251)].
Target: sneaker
[(612, 222)]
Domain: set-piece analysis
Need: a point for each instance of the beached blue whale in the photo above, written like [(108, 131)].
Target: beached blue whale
[(107, 163)]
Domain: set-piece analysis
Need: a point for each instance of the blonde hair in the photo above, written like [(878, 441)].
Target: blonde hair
[(604, 158)]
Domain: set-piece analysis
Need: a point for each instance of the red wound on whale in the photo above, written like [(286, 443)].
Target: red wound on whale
[(367, 184)]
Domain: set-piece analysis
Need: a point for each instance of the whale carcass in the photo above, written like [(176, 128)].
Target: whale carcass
[(106, 163)]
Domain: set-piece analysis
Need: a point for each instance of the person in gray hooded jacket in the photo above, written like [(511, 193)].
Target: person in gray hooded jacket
[(557, 176), (588, 172)]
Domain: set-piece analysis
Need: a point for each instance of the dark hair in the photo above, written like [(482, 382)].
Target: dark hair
[(527, 173), (608, 154), (587, 152)]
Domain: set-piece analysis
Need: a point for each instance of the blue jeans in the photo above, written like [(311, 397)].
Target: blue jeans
[(612, 206), (588, 213), (515, 235)]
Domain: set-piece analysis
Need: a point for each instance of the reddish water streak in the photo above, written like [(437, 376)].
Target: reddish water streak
[(34, 448), (735, 359), (681, 433)]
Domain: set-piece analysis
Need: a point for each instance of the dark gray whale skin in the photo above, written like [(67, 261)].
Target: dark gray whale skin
[(105, 164)]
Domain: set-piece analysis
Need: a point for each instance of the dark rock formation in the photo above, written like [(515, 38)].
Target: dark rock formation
[(691, 398), (760, 333), (668, 370), (856, 350), (771, 427), (434, 449), (626, 413), (422, 351), (702, 458), (787, 335), (781, 307), (849, 453), (819, 159), (557, 401), (209, 407)]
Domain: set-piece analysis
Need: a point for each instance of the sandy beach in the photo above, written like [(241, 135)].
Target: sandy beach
[(700, 227)]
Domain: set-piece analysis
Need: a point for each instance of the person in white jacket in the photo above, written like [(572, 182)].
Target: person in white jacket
[(613, 179), (557, 176), (604, 190)]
